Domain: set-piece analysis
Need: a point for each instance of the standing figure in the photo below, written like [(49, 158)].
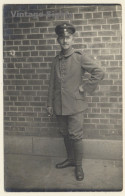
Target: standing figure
[(66, 97)]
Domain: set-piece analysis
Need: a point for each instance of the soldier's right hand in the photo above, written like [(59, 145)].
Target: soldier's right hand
[(50, 111), (81, 89)]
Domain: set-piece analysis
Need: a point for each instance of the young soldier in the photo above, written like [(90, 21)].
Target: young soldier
[(66, 96)]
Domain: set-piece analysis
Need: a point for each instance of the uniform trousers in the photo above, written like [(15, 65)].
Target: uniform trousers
[(71, 125)]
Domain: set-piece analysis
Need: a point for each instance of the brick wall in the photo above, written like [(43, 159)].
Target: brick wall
[(26, 73)]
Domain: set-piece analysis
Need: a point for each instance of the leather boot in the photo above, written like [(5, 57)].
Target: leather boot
[(64, 164), (70, 154), (78, 152), (69, 148)]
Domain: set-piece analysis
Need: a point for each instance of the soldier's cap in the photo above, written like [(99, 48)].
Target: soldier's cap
[(64, 29)]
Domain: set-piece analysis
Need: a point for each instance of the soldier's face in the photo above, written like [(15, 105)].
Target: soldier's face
[(65, 41)]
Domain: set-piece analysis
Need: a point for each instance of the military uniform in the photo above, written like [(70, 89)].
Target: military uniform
[(66, 77), (64, 95)]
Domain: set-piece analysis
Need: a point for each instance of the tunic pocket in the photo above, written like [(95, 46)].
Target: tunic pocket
[(79, 96)]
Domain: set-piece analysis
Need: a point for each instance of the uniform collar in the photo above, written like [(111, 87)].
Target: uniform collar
[(69, 52)]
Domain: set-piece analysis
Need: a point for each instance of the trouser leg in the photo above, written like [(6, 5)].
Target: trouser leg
[(76, 134), (75, 129), (75, 126), (63, 123), (73, 133)]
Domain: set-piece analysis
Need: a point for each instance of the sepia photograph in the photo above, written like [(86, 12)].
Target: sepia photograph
[(62, 97)]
